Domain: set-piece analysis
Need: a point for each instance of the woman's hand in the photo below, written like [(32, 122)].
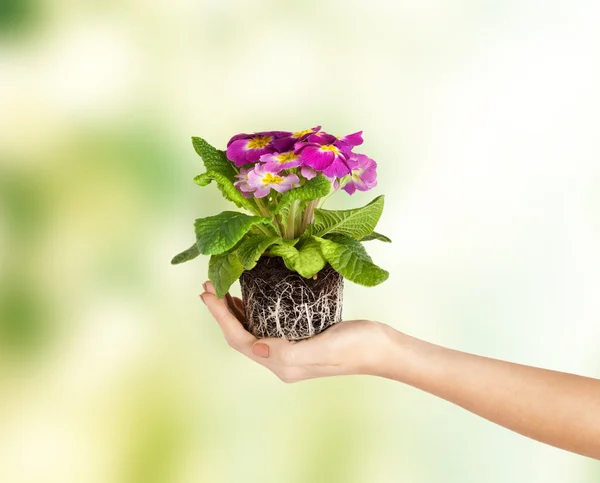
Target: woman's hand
[(351, 347)]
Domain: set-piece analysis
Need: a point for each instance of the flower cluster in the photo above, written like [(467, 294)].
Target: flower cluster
[(282, 160)]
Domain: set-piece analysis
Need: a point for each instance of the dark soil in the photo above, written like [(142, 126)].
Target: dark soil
[(281, 303)]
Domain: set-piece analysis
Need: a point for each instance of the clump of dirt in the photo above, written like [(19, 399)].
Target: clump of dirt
[(281, 303)]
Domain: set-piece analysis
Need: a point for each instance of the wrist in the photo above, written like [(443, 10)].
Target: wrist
[(401, 357)]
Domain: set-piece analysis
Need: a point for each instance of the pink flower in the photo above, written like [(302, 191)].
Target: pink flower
[(364, 174), (242, 183), (275, 162), (263, 180)]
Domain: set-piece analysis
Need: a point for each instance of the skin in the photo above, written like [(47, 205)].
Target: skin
[(556, 408)]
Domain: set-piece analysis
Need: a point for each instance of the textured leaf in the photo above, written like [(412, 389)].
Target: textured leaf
[(217, 234), (223, 270), (229, 191), (307, 260), (313, 189), (348, 257), (357, 223), (187, 255), (251, 249), (376, 236), (222, 171), (214, 159)]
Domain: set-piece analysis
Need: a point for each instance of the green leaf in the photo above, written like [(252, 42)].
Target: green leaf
[(217, 234), (251, 249), (348, 257), (222, 171), (186, 255), (307, 260), (228, 190), (313, 189), (223, 270), (356, 223), (376, 236), (214, 159)]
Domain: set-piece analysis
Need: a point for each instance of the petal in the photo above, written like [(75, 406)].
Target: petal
[(317, 159), (274, 167), (308, 172), (255, 179), (284, 144), (354, 139), (337, 168), (292, 179), (269, 158), (253, 155), (322, 138), (236, 152), (281, 188), (274, 134), (350, 188), (262, 192), (239, 136)]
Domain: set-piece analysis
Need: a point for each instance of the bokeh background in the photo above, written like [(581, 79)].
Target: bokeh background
[(483, 117)]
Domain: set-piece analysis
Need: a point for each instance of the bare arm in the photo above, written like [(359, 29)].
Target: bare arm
[(556, 408)]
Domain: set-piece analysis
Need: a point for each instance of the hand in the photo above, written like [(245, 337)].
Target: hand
[(350, 347)]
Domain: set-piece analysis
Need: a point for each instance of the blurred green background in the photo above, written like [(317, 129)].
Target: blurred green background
[(483, 117)]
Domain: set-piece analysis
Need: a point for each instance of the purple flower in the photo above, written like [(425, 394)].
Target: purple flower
[(364, 174), (264, 180), (328, 158), (286, 143), (242, 183), (248, 148), (275, 162)]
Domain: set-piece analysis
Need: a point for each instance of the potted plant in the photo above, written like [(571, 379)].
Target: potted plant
[(290, 254)]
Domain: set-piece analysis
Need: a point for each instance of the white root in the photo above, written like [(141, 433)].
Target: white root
[(293, 308)]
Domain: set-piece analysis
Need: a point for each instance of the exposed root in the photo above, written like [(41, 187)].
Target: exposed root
[(281, 303)]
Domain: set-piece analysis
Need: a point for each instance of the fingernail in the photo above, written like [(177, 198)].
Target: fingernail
[(202, 298), (204, 286), (261, 350)]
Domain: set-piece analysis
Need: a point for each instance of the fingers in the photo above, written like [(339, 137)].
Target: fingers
[(286, 353), (238, 302), (235, 334), (235, 308)]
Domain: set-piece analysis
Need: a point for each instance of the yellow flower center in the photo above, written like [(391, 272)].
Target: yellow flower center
[(302, 133), (259, 142), (287, 157), (330, 147), (271, 178)]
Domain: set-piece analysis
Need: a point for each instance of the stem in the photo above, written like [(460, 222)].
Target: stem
[(291, 221), (309, 214)]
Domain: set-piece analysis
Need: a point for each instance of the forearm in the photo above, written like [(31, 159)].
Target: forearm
[(556, 408)]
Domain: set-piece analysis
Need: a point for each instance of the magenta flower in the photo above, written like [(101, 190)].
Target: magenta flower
[(328, 158), (275, 162), (248, 148), (287, 143), (364, 174), (264, 180), (242, 183)]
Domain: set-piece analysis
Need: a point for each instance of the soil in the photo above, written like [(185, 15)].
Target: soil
[(281, 303)]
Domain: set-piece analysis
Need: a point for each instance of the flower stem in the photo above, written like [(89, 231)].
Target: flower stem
[(291, 219)]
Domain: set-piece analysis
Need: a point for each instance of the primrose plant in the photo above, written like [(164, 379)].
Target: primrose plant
[(282, 179)]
